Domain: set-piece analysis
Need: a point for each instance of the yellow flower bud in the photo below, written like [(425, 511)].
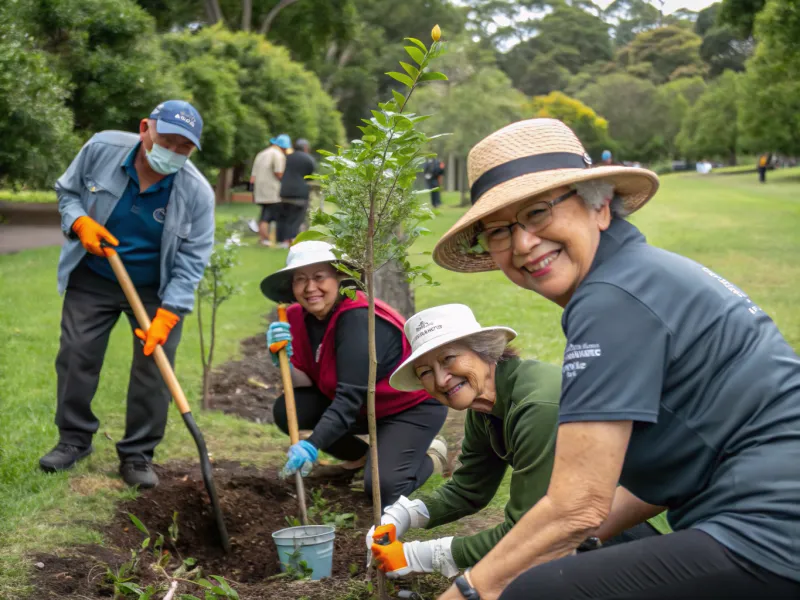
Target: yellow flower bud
[(436, 33)]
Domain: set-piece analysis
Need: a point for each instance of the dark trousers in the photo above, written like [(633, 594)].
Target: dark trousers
[(291, 217), (436, 196), (762, 174), (92, 306), (403, 441), (685, 564)]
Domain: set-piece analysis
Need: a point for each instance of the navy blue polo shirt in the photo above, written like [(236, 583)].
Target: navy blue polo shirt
[(711, 385), (137, 221)]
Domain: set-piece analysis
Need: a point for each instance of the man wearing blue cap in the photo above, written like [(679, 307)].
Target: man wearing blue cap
[(140, 194), (266, 177)]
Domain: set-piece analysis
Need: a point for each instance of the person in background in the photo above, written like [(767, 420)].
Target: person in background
[(433, 172), (141, 195), (295, 192), (605, 158), (763, 164), (326, 339), (265, 178)]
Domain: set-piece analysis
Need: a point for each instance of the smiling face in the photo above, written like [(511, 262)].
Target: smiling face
[(553, 261), (316, 288), (457, 377)]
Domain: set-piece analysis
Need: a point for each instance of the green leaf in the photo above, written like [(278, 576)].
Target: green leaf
[(187, 597), (402, 78), (412, 71), (415, 53), (145, 543), (433, 76), (417, 42), (139, 525), (370, 138), (399, 98), (310, 235)]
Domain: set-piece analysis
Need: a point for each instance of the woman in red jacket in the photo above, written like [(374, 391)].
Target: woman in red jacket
[(326, 338)]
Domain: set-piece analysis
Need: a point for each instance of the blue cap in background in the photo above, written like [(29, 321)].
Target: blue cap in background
[(177, 116), (606, 154), (282, 141)]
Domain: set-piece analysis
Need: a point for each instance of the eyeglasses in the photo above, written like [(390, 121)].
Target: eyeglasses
[(302, 281), (533, 218)]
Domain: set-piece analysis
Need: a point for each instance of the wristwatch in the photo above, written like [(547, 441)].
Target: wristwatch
[(466, 589)]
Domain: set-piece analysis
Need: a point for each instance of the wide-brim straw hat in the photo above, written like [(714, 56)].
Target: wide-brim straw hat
[(278, 286), (521, 161), (433, 328)]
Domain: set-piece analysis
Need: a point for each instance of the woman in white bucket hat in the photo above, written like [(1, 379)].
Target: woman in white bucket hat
[(326, 338), (676, 386), (511, 422)]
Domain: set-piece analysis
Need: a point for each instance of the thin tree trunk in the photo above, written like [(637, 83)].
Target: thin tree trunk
[(211, 342), (247, 14), (373, 372), (213, 11), (224, 179), (202, 350), (271, 15), (465, 196)]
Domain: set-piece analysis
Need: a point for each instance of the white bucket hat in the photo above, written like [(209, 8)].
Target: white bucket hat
[(433, 328), (278, 286)]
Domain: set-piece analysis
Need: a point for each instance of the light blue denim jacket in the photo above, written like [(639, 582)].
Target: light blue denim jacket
[(94, 183)]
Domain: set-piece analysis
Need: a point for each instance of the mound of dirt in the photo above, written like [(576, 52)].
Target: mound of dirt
[(248, 387), (255, 504)]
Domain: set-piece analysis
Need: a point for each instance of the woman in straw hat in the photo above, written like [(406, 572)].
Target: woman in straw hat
[(675, 386), (326, 338), (511, 421)]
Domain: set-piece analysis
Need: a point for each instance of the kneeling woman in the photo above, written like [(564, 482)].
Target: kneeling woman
[(326, 338), (512, 421)]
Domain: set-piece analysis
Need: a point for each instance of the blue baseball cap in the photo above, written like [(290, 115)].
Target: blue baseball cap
[(282, 141), (606, 154), (177, 116)]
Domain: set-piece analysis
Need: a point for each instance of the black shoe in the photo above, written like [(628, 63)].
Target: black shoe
[(63, 457), (138, 472)]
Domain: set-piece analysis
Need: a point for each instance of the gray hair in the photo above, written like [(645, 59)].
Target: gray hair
[(491, 346), (597, 192)]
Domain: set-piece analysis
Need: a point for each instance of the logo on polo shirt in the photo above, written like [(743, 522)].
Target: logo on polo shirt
[(160, 215), (577, 357)]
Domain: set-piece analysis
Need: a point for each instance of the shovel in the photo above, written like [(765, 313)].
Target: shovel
[(291, 416), (177, 393)]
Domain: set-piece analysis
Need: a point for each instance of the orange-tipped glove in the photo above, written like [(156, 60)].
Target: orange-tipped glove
[(398, 559), (91, 233), (159, 330)]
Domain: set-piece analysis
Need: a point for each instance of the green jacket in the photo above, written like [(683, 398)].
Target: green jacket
[(521, 432)]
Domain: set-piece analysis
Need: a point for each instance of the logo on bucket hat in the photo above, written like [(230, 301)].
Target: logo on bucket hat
[(422, 325)]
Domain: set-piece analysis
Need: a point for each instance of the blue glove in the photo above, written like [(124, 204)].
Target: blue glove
[(302, 457), (279, 336)]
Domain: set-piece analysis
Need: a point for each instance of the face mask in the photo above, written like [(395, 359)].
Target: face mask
[(165, 161)]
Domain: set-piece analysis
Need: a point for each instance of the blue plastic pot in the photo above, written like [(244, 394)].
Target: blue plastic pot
[(310, 543)]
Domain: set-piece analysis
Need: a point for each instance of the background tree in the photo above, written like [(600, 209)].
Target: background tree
[(723, 48), (591, 129), (36, 138), (741, 15), (630, 18), (663, 54), (709, 129)]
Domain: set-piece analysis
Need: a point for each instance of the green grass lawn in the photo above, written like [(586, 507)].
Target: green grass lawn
[(745, 231)]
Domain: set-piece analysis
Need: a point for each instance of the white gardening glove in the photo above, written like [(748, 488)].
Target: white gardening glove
[(433, 556), (404, 515)]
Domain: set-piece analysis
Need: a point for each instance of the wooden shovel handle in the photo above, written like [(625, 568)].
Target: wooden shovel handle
[(288, 388), (144, 323)]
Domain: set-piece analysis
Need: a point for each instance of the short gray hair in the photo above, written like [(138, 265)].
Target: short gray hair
[(491, 346), (597, 192)]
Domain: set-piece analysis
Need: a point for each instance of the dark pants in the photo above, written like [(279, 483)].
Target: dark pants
[(403, 441), (291, 217), (268, 212), (762, 174), (92, 306), (436, 195), (685, 564)]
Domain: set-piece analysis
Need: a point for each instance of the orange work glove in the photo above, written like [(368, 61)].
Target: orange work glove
[(388, 552), (91, 233), (159, 330)]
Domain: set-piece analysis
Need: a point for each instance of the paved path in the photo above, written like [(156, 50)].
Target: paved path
[(14, 238)]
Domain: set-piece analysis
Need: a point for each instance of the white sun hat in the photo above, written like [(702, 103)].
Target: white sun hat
[(278, 286), (433, 328)]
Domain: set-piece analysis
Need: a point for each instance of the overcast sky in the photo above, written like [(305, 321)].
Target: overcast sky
[(671, 5)]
